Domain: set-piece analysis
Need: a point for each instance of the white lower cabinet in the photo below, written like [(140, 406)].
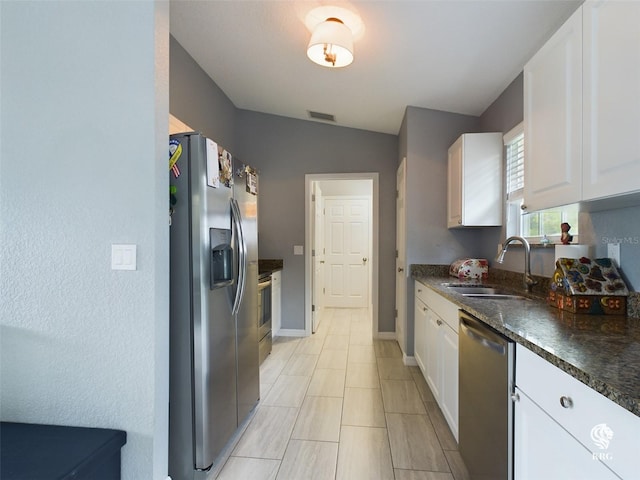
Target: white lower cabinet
[(420, 334), (545, 450), (433, 373), (449, 389), (276, 301), (565, 430), (436, 349)]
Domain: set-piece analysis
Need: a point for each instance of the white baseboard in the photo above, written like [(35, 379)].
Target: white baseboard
[(385, 335), (409, 361), (290, 332)]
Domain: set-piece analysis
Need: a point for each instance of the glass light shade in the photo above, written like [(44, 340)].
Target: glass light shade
[(332, 37)]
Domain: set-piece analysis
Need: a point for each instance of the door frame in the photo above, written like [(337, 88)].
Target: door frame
[(401, 262), (308, 232)]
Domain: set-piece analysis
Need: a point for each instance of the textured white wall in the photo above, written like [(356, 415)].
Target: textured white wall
[(84, 108)]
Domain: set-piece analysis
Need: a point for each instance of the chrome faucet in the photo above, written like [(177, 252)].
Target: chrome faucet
[(528, 280)]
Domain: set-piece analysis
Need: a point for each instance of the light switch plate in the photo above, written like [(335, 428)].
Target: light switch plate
[(123, 257), (298, 250)]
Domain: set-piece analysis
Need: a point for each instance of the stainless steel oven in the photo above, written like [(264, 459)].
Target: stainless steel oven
[(264, 316)]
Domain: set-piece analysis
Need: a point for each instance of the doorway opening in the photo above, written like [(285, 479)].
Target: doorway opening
[(341, 234)]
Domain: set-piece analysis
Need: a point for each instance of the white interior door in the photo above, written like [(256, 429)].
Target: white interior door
[(318, 258), (346, 252), (401, 274)]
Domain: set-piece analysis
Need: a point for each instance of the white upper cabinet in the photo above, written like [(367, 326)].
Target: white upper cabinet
[(474, 181), (611, 82), (553, 120), (582, 108)]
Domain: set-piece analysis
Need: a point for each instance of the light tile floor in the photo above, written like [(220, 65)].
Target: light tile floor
[(339, 405)]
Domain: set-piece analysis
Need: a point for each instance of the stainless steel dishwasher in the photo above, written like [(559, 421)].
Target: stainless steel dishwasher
[(486, 377)]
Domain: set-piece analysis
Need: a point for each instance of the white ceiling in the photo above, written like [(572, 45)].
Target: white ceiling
[(451, 55)]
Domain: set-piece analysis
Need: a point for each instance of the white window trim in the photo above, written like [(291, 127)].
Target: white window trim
[(514, 224), (513, 200)]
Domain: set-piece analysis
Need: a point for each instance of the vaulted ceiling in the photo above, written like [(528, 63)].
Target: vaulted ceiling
[(451, 55)]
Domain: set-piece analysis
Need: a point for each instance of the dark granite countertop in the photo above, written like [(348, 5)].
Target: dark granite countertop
[(269, 265), (602, 351)]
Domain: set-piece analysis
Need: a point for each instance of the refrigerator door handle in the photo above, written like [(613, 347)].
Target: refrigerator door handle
[(242, 252), (243, 257)]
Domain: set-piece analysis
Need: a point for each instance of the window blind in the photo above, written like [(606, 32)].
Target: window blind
[(515, 165)]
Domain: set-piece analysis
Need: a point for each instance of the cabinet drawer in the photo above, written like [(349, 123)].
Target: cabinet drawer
[(421, 291), (606, 429), (446, 310)]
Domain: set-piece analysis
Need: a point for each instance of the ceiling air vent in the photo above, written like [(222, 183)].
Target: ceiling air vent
[(327, 117)]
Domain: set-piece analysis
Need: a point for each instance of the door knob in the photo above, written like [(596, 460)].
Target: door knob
[(364, 259)]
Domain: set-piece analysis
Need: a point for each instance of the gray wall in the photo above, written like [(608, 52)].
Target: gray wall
[(284, 150), (85, 101), (198, 101), (503, 114), (430, 133), (615, 226), (425, 138)]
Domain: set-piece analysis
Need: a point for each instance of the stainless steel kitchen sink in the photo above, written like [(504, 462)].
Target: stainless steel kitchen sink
[(495, 296), (482, 292)]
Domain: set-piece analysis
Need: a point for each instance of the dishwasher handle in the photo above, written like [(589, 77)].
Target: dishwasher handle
[(481, 335)]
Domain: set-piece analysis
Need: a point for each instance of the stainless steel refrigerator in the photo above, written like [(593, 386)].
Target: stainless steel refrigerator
[(214, 368)]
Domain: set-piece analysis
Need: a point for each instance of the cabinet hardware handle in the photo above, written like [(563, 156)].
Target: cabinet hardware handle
[(523, 207), (515, 397), (424, 309), (400, 269), (566, 402), (419, 290), (439, 322)]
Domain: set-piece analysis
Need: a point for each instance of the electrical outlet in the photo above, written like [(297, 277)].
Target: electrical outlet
[(613, 252)]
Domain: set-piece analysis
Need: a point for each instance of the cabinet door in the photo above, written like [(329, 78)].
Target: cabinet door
[(276, 302), (588, 416), (543, 449), (611, 163), (553, 120), (449, 344), (454, 185), (432, 374), (420, 334)]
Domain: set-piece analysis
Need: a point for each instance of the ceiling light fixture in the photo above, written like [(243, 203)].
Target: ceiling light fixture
[(331, 44), (333, 31)]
